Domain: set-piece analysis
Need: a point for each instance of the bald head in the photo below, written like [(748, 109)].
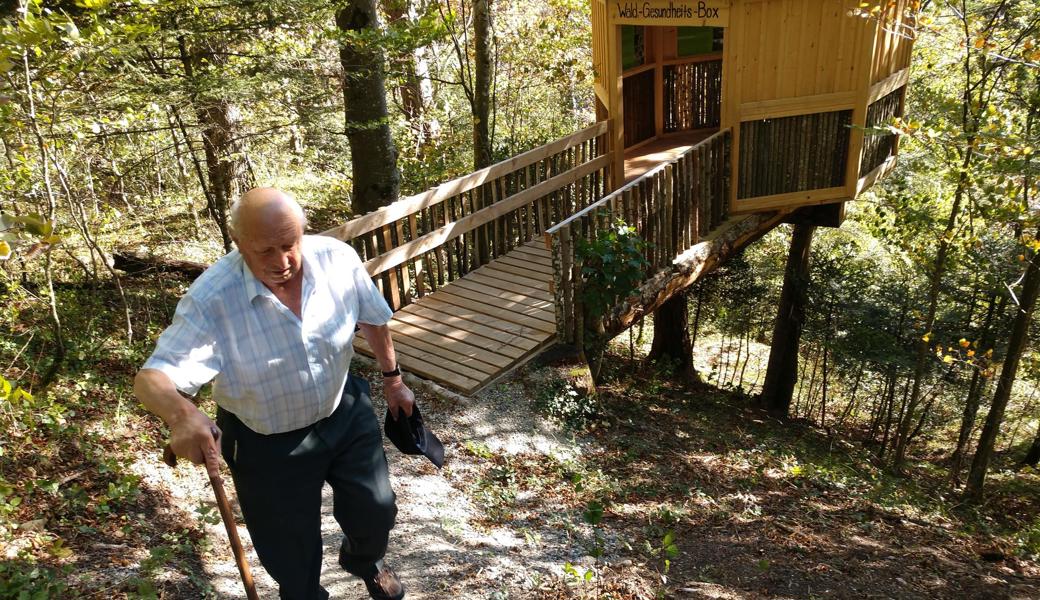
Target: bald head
[(262, 208), (267, 225)]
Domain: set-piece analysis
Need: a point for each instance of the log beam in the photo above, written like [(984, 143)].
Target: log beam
[(133, 263), (692, 265)]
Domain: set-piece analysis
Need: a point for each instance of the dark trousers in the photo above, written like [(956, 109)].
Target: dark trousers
[(279, 479)]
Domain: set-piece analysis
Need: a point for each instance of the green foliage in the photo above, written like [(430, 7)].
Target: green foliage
[(612, 265), (578, 574), (561, 401), (28, 581), (496, 490), (1029, 539), (593, 513), (34, 231), (23, 413)]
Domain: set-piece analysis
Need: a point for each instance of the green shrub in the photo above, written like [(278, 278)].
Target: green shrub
[(562, 402), (612, 265)]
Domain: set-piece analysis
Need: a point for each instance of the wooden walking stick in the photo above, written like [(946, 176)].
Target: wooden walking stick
[(213, 468)]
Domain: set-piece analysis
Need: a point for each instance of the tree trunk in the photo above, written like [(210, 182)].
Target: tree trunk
[(782, 369), (736, 361), (1016, 345), (747, 357), (227, 172), (851, 406), (483, 64), (672, 336), (697, 314), (974, 103), (887, 395), (1033, 456), (975, 391), (228, 177), (903, 404), (373, 155)]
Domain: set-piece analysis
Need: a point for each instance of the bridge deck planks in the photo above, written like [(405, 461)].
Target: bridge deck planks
[(472, 331)]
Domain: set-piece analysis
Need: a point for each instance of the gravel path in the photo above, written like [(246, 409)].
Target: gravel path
[(436, 548)]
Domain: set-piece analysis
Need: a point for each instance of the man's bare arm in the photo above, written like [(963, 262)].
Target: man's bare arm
[(190, 430), (398, 396)]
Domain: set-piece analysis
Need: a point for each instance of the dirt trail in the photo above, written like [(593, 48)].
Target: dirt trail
[(756, 510), (435, 548)]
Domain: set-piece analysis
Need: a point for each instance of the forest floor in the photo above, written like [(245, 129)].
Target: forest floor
[(662, 490), (670, 491)]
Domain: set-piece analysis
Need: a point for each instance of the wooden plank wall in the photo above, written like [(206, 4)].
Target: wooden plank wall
[(894, 41), (784, 58), (793, 48), (640, 98)]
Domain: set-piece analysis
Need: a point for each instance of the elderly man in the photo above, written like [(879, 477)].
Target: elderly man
[(272, 324)]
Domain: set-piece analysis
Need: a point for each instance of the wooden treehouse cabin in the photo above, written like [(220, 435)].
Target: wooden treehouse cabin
[(717, 120), (794, 84)]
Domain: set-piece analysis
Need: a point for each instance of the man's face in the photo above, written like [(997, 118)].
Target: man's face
[(271, 248)]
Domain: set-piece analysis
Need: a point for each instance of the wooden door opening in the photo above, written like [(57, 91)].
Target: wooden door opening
[(671, 80)]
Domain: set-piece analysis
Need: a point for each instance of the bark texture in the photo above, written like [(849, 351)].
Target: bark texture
[(672, 335), (1016, 345), (372, 152), (782, 372), (482, 84), (227, 165)]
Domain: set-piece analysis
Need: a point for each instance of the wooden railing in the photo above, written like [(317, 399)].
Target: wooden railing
[(693, 94), (672, 207), (422, 242)]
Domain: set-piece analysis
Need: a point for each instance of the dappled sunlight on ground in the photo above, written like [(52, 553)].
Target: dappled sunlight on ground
[(676, 492)]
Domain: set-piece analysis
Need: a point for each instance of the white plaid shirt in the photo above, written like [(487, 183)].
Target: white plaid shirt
[(274, 371)]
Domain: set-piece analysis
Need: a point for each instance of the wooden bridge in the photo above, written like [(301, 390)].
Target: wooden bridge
[(482, 271), (761, 108)]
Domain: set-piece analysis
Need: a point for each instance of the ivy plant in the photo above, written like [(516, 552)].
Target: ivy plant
[(612, 265)]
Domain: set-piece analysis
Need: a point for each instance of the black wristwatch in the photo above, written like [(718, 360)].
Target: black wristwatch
[(394, 373)]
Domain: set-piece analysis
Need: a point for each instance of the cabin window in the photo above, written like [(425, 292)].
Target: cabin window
[(633, 46), (691, 41)]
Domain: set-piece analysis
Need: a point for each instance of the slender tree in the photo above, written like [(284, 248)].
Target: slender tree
[(975, 391), (782, 370), (227, 171), (409, 66), (372, 152), (981, 77), (1016, 345), (483, 64)]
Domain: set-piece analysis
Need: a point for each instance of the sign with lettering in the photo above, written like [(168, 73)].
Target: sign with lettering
[(695, 13)]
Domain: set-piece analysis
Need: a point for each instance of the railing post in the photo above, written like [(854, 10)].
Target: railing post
[(668, 181), (563, 253), (727, 172)]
